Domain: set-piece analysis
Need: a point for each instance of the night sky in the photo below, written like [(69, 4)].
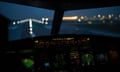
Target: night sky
[(16, 11)]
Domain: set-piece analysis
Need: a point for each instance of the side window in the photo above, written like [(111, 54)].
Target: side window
[(100, 21)]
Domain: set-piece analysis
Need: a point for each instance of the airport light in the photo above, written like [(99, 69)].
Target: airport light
[(31, 32), (43, 19), (70, 18), (14, 23), (109, 16), (46, 19), (79, 20), (46, 23), (99, 15), (82, 17)]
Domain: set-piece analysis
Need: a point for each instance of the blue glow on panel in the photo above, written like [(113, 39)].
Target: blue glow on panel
[(46, 64)]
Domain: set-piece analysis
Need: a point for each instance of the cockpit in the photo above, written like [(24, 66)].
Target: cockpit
[(60, 36)]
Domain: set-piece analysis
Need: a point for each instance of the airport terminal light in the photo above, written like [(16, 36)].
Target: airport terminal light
[(109, 16), (82, 17), (79, 20), (99, 15), (43, 19), (46, 19), (70, 18)]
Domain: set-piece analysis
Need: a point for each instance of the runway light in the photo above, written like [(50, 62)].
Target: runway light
[(46, 23), (43, 19), (46, 19), (30, 29), (14, 23), (70, 18), (42, 22), (31, 32), (18, 22)]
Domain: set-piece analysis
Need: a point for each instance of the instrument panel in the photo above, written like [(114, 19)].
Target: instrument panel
[(66, 53)]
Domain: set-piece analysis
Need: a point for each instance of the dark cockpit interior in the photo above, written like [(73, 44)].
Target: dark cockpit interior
[(59, 35)]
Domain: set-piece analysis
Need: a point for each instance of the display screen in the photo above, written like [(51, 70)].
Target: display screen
[(26, 21), (87, 59), (102, 58)]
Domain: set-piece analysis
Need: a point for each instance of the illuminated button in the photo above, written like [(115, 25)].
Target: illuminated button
[(36, 41), (88, 38), (46, 64), (46, 23), (87, 59), (28, 63)]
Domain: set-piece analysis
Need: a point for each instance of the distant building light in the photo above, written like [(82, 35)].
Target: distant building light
[(94, 17), (42, 22), (103, 17), (70, 18), (14, 23), (109, 16), (79, 20), (99, 15), (82, 17), (89, 22)]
